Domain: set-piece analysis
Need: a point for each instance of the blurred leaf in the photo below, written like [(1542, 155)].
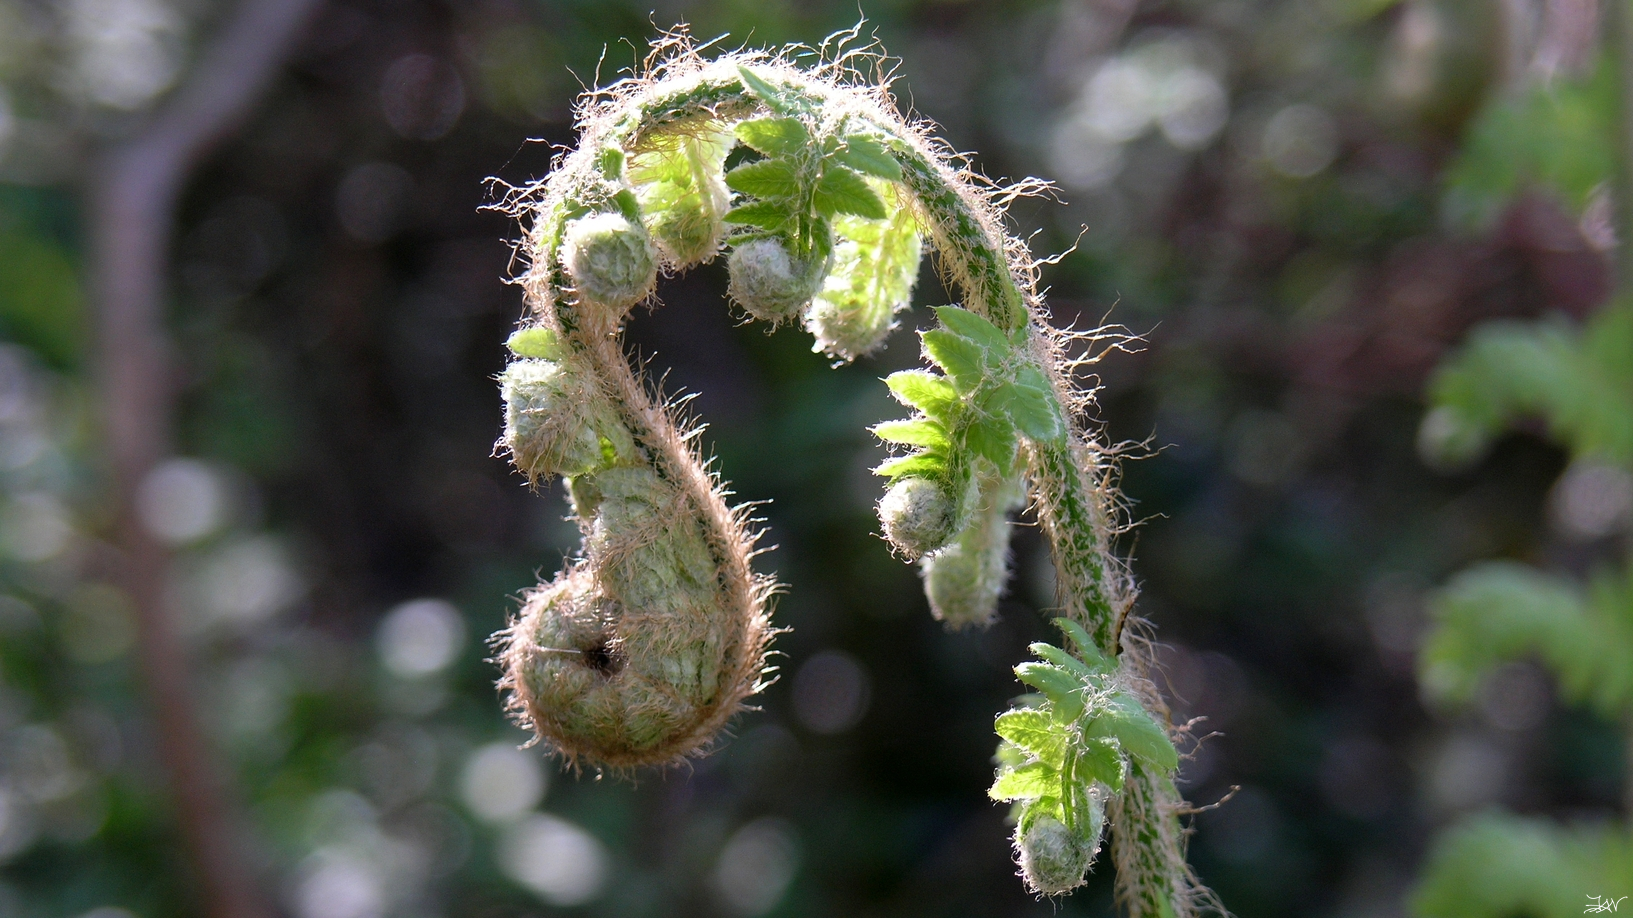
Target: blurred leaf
[(1502, 611), (1557, 133), (40, 303), (1496, 864)]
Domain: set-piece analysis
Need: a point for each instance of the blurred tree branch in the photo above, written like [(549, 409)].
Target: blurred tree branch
[(131, 202)]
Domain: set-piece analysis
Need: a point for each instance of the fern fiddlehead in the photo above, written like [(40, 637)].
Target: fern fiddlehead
[(640, 650)]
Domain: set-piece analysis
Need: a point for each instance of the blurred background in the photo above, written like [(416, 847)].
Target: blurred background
[(1299, 204)]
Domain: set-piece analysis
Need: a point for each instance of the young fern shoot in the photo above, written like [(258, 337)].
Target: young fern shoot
[(642, 648)]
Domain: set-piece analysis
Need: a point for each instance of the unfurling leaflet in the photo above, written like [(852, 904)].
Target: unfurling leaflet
[(651, 637)]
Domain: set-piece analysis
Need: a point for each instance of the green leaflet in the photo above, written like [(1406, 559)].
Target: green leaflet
[(775, 99), (869, 157), (841, 191), (960, 357), (1052, 654), (967, 324), (993, 439), (925, 391), (767, 178), (1064, 691), (1065, 752), (922, 465), (1034, 412), (1101, 758), (1035, 733), (1004, 395), (783, 137), (542, 343), (764, 214), (681, 191), (923, 432), (1086, 649), (1028, 782), (1126, 720)]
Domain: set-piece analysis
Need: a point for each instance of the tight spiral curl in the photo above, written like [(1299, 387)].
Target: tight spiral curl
[(655, 633)]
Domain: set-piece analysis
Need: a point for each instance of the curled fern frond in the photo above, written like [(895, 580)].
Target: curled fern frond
[(655, 632)]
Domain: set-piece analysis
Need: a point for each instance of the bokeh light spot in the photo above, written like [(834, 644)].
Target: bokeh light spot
[(756, 866), (422, 97), (1300, 141), (560, 862), (34, 527), (372, 201), (830, 692), (182, 501), (501, 783), (1592, 500), (420, 637)]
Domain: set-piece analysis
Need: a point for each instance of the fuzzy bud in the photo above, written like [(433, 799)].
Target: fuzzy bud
[(874, 267), (770, 282), (637, 653), (557, 422), (1053, 858), (610, 260), (846, 332), (917, 515), (688, 232), (964, 580)]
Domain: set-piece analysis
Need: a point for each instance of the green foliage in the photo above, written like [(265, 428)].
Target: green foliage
[(1580, 383), (1500, 611), (1558, 134), (810, 173), (1497, 864), (989, 398), (40, 304), (681, 192), (1069, 746)]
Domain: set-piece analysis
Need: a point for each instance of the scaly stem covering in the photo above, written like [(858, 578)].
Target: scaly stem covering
[(650, 639)]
